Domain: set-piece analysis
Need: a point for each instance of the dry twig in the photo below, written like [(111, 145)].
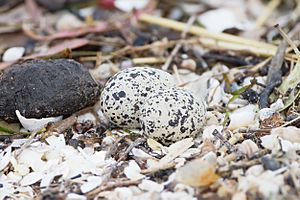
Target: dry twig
[(179, 45), (274, 73), (220, 40)]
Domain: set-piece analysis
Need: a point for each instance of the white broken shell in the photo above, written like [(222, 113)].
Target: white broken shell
[(242, 117), (132, 171), (248, 147), (33, 124)]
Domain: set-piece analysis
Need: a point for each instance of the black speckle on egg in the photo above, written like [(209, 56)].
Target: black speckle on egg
[(115, 96), (122, 94)]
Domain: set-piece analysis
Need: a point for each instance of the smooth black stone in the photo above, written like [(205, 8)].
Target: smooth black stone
[(46, 88)]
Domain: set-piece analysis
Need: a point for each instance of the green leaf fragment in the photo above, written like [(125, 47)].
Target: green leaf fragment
[(291, 80)]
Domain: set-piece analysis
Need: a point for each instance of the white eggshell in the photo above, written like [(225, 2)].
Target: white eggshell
[(270, 142), (33, 124), (248, 147), (92, 183), (151, 186), (31, 178), (5, 158), (132, 171), (242, 117)]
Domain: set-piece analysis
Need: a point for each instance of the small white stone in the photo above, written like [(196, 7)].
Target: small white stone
[(98, 158), (175, 13), (68, 21), (192, 8), (189, 64), (265, 113), (13, 53), (277, 105)]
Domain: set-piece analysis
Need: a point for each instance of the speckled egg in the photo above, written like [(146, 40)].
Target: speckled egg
[(171, 114), (126, 91)]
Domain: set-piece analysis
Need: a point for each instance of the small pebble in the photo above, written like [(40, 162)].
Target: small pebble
[(68, 22), (270, 163), (73, 143), (251, 96), (13, 53), (189, 64)]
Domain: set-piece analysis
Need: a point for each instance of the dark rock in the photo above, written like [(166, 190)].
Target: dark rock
[(46, 88)]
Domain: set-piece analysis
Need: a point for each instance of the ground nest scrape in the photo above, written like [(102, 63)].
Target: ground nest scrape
[(228, 55)]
